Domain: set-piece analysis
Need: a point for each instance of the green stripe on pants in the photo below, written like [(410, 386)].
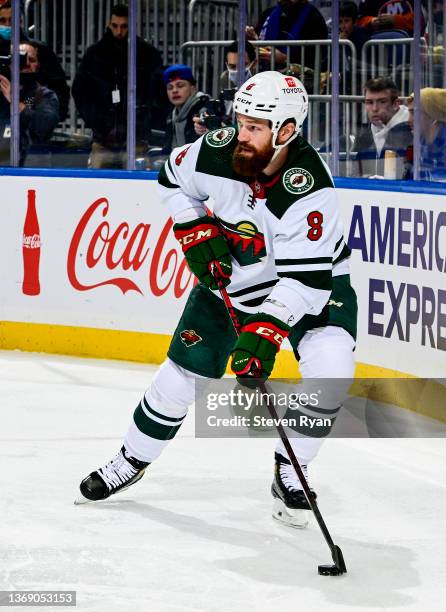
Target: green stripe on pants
[(152, 428)]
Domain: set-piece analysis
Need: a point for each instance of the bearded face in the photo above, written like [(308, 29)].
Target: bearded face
[(248, 160)]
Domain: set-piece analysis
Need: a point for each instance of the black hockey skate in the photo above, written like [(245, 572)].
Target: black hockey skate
[(290, 506), (118, 474)]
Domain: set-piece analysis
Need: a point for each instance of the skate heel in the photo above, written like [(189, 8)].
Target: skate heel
[(289, 516)]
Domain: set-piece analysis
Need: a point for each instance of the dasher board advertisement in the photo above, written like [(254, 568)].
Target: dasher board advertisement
[(398, 243), (90, 253)]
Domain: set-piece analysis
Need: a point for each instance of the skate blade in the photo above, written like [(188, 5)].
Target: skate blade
[(298, 519), (81, 500)]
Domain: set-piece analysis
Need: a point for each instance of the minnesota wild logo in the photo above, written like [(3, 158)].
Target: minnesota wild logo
[(220, 137), (298, 180), (189, 337), (246, 243)]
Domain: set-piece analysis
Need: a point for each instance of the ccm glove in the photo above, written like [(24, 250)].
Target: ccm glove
[(257, 346), (203, 245)]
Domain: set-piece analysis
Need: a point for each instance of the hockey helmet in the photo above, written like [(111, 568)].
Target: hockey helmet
[(276, 97)]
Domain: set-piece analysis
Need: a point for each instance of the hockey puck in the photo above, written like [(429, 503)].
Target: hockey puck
[(329, 570)]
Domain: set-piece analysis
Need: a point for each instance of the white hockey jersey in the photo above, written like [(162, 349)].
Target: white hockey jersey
[(283, 231)]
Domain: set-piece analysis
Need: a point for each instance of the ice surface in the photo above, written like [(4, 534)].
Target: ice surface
[(196, 533)]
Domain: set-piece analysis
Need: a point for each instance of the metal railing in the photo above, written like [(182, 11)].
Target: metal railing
[(388, 57), (207, 62), (216, 20)]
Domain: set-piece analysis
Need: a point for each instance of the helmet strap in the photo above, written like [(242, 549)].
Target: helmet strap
[(279, 147)]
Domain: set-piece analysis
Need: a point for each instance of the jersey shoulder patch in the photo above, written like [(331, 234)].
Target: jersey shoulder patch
[(297, 180), (304, 173), (215, 155), (220, 137)]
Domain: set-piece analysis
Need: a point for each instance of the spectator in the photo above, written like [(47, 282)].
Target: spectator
[(388, 129), (184, 124), (38, 107), (379, 15), (348, 27), (228, 78), (51, 73), (100, 92), (433, 134), (289, 20)]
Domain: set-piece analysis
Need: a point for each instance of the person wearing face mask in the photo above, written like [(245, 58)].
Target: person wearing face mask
[(228, 85), (228, 78), (51, 73), (5, 20), (100, 92), (38, 107)]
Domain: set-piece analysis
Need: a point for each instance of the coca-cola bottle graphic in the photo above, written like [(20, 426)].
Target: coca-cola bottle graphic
[(31, 248)]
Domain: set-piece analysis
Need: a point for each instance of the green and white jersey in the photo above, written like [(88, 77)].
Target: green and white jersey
[(283, 231)]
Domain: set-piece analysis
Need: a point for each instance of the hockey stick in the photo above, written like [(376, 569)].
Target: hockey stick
[(336, 553)]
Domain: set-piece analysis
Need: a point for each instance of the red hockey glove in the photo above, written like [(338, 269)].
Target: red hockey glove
[(203, 245), (257, 346)]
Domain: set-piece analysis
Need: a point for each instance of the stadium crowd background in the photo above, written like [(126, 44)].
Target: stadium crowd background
[(384, 115)]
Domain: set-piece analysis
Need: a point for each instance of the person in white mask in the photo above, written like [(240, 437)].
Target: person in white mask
[(228, 84), (228, 78), (387, 130)]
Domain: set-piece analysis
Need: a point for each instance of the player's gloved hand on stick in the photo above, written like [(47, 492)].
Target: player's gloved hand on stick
[(204, 245), (257, 346)]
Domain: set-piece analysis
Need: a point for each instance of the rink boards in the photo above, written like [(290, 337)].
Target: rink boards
[(113, 280)]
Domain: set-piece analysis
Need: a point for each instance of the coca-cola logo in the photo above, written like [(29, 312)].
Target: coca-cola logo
[(32, 241), (96, 244)]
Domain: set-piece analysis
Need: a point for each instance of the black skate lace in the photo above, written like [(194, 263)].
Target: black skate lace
[(116, 472), (289, 477)]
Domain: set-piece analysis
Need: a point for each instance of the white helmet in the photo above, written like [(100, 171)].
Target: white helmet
[(274, 96)]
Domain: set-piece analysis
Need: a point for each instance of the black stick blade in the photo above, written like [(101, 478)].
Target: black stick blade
[(338, 568), (328, 570), (338, 559)]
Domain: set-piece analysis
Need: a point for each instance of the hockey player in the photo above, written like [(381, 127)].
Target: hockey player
[(276, 240)]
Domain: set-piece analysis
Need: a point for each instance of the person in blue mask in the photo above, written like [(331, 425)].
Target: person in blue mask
[(5, 21)]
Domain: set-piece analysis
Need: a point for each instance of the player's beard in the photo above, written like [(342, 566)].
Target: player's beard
[(253, 164)]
